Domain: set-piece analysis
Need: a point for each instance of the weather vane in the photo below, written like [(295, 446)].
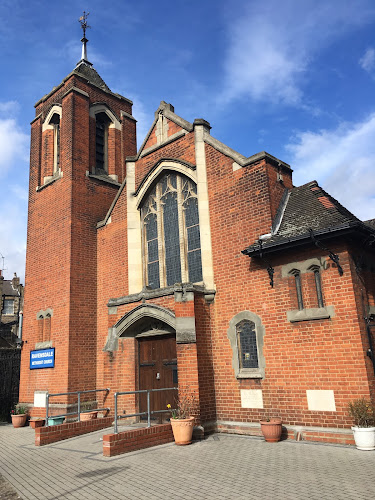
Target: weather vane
[(84, 26), (83, 21)]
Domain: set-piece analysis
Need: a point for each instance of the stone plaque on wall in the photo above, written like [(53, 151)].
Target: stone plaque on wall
[(321, 400), (40, 399), (251, 398)]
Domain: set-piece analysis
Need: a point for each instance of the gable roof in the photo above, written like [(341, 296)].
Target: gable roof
[(167, 110), (307, 208)]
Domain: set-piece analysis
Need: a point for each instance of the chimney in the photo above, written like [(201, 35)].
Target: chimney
[(15, 281)]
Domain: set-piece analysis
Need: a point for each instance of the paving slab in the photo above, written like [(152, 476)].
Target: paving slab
[(221, 467)]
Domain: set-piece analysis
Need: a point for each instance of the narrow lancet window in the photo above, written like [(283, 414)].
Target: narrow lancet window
[(318, 286)]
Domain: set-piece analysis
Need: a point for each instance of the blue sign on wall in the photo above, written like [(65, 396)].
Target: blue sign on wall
[(44, 358)]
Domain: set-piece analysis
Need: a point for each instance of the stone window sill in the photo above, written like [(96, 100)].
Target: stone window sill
[(104, 178), (49, 180), (310, 314), (249, 374), (44, 345)]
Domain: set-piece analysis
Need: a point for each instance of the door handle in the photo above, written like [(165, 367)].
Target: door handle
[(158, 376)]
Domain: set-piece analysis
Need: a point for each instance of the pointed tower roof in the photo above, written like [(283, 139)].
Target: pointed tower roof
[(85, 69), (84, 66)]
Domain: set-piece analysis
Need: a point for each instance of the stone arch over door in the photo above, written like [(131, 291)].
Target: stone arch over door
[(151, 320)]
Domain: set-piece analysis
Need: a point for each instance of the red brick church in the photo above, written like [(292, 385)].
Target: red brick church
[(186, 263)]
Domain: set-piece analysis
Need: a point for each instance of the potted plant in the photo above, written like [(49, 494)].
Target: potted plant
[(88, 412), (271, 429), (362, 412), (19, 416), (88, 415), (182, 420)]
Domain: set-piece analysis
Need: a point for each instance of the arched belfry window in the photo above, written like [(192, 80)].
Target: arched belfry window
[(55, 122), (171, 240), (101, 143)]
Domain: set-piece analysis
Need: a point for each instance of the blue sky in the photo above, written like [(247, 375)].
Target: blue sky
[(294, 78)]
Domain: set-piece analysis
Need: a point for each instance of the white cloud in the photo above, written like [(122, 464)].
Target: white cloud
[(367, 62), (14, 148), (342, 161), (13, 237), (14, 142), (272, 44)]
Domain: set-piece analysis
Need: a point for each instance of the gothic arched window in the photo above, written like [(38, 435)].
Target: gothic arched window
[(247, 344), (171, 239)]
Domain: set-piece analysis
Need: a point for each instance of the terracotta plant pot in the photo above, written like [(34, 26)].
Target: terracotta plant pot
[(37, 422), (88, 416), (271, 430), (19, 420), (182, 430)]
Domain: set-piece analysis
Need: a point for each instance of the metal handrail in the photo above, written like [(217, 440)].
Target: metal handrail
[(78, 405), (148, 412)]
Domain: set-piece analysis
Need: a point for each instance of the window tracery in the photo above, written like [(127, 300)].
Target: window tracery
[(171, 236)]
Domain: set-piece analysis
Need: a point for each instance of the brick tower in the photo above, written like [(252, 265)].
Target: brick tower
[(79, 138)]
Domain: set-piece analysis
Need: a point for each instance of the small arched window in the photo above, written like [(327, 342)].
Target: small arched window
[(246, 335), (171, 239), (297, 276), (247, 344), (318, 285)]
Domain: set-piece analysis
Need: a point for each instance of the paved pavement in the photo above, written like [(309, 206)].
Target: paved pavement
[(221, 467)]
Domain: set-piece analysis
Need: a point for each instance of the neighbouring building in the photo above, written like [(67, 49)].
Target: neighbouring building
[(187, 263), (11, 293)]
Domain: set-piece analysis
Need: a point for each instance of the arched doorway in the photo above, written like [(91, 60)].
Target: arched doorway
[(154, 332)]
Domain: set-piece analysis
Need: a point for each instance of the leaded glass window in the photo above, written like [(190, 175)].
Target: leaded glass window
[(171, 238), (247, 344)]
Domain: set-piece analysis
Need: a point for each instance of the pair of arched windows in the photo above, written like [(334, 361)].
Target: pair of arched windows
[(103, 121), (44, 325), (318, 286), (171, 238)]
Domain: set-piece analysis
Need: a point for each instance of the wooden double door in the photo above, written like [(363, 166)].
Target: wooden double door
[(157, 370)]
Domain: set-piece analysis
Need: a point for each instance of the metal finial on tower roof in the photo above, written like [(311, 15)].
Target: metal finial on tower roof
[(84, 26)]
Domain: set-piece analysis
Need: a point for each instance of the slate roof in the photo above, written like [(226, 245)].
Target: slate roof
[(8, 288), (306, 208), (87, 71), (370, 223)]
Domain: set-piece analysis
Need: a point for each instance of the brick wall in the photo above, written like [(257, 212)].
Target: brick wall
[(123, 442), (54, 433)]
